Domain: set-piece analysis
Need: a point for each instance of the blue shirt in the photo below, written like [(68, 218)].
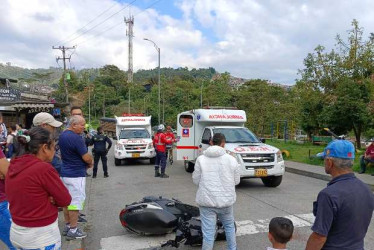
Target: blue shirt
[(343, 213), (72, 148)]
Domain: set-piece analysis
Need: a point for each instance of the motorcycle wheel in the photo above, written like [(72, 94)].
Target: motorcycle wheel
[(221, 231)]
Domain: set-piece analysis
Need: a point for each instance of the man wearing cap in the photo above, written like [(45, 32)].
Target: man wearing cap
[(344, 208), (367, 158), (47, 121)]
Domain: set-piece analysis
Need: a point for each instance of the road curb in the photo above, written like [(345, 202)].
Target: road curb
[(316, 175), (308, 173)]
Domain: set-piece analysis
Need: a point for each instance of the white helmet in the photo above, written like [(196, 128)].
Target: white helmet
[(161, 127)]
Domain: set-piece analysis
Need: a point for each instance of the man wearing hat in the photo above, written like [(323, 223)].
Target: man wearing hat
[(47, 121), (367, 158), (344, 208)]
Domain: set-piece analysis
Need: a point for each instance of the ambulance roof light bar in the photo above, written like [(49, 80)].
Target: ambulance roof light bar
[(220, 107), (129, 114)]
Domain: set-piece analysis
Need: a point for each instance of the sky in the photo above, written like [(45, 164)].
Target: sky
[(251, 39)]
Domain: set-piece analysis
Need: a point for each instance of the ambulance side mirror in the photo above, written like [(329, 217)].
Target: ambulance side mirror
[(263, 140), (200, 146), (115, 138)]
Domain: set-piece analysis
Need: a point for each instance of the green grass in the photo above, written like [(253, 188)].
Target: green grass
[(305, 153)]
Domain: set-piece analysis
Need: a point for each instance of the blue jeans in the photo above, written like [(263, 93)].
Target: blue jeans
[(5, 222), (208, 216)]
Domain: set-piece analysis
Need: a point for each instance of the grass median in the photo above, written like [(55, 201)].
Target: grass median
[(305, 153)]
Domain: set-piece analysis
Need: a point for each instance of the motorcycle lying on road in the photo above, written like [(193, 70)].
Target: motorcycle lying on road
[(158, 215)]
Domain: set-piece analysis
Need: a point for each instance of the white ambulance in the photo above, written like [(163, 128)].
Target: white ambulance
[(134, 139), (257, 160)]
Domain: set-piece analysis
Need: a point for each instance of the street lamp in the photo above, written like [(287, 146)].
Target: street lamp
[(159, 87)]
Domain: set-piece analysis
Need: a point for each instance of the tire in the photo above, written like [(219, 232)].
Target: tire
[(117, 162), (152, 160), (272, 181), (189, 166)]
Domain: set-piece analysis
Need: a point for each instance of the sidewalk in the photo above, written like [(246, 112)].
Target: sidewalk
[(78, 244), (318, 172)]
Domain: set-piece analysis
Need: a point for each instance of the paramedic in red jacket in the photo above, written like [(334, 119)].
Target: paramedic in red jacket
[(34, 191), (160, 141)]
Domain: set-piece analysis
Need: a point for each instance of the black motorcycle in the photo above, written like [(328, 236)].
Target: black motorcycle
[(158, 215)]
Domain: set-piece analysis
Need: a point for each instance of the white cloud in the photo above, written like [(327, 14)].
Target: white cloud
[(249, 38)]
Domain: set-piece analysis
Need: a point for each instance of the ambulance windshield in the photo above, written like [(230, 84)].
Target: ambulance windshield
[(133, 133), (237, 135)]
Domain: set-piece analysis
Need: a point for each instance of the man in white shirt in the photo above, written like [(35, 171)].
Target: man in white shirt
[(216, 173)]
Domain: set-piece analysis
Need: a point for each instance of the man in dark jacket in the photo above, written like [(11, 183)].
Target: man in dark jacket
[(99, 150), (344, 208)]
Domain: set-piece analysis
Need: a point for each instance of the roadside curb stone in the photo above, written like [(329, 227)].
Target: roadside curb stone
[(318, 172)]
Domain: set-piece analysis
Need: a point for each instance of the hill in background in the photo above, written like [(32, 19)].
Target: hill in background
[(46, 80)]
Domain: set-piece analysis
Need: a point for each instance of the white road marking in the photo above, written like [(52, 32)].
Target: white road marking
[(246, 227), (132, 241)]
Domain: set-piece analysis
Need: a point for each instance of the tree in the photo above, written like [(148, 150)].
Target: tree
[(264, 104), (337, 85)]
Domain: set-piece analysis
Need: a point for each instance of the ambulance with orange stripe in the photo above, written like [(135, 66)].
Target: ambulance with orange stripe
[(134, 138), (196, 127)]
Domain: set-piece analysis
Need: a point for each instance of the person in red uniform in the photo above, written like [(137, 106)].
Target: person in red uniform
[(367, 158), (35, 191), (160, 141), (169, 146)]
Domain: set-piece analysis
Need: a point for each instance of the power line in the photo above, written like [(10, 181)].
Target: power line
[(102, 13), (149, 6), (112, 27), (85, 58), (101, 22)]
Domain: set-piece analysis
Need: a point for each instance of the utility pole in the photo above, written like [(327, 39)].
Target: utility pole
[(201, 95), (129, 100), (144, 110), (64, 58), (89, 104), (163, 107), (129, 32)]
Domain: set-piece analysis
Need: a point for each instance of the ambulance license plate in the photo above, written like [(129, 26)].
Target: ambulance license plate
[(261, 172), (135, 155)]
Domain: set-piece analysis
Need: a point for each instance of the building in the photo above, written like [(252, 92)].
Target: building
[(20, 107)]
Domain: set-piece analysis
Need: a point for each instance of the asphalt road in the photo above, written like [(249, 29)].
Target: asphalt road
[(255, 206)]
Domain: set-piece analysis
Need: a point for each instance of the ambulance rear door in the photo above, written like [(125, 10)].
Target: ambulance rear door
[(186, 146), (205, 140)]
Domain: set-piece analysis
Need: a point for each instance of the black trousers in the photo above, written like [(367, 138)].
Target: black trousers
[(160, 161), (104, 160)]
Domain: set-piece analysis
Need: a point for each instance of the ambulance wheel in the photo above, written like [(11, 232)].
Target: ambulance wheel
[(152, 160), (272, 181), (117, 162), (189, 166)]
